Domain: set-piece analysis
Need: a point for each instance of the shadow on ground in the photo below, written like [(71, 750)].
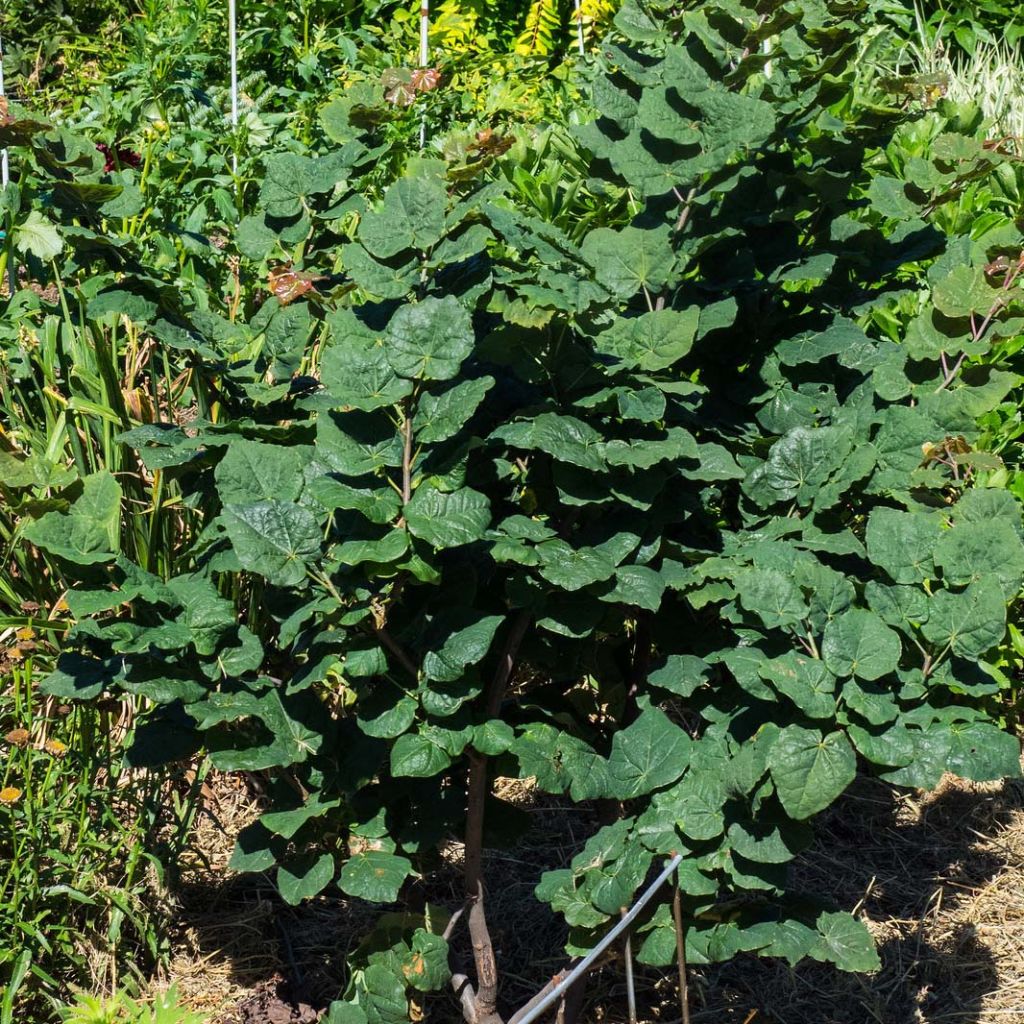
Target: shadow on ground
[(939, 879)]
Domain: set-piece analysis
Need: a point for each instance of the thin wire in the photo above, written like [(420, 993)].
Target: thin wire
[(5, 167), (579, 26), (585, 964), (233, 46), (424, 59)]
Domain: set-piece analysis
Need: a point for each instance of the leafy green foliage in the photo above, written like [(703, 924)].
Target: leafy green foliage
[(123, 1008), (970, 24), (647, 507), (73, 839)]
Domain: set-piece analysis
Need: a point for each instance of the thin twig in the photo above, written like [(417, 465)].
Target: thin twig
[(538, 998), (951, 374), (450, 928)]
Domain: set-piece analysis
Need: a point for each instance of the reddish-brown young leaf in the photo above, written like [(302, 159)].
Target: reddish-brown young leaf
[(426, 79), (490, 145), (288, 285)]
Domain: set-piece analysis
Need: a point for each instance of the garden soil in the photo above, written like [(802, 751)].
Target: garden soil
[(938, 877)]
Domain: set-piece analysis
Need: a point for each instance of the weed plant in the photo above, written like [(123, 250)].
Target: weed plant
[(79, 886), (126, 1008), (990, 74)]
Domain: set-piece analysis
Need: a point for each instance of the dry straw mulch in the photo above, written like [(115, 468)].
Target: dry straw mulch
[(939, 878)]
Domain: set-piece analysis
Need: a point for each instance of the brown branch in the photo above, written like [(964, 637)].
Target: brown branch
[(978, 332), (396, 649), (483, 948), (475, 804), (503, 673), (677, 914), (450, 928), (572, 1002), (466, 996), (684, 213), (486, 1001), (407, 451)]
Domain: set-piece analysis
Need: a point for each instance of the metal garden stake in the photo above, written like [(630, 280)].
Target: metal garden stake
[(233, 48), (5, 169), (424, 60), (535, 1009)]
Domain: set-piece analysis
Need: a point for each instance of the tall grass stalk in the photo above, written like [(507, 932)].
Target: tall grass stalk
[(75, 829)]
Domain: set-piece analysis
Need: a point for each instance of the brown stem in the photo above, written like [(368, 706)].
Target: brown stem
[(396, 649), (476, 801), (977, 332), (483, 949), (684, 213), (640, 668), (477, 794), (407, 451), (506, 663), (677, 915), (572, 1003), (486, 1001), (951, 374)]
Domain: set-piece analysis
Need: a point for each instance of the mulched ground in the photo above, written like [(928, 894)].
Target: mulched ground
[(274, 1003), (939, 879)]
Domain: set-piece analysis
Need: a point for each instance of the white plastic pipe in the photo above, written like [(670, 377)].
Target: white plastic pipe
[(424, 58), (5, 169), (233, 48), (579, 26), (585, 964), (424, 33)]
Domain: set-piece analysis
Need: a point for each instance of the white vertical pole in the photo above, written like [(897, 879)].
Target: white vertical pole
[(233, 45), (5, 169), (579, 26), (424, 58), (5, 180)]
